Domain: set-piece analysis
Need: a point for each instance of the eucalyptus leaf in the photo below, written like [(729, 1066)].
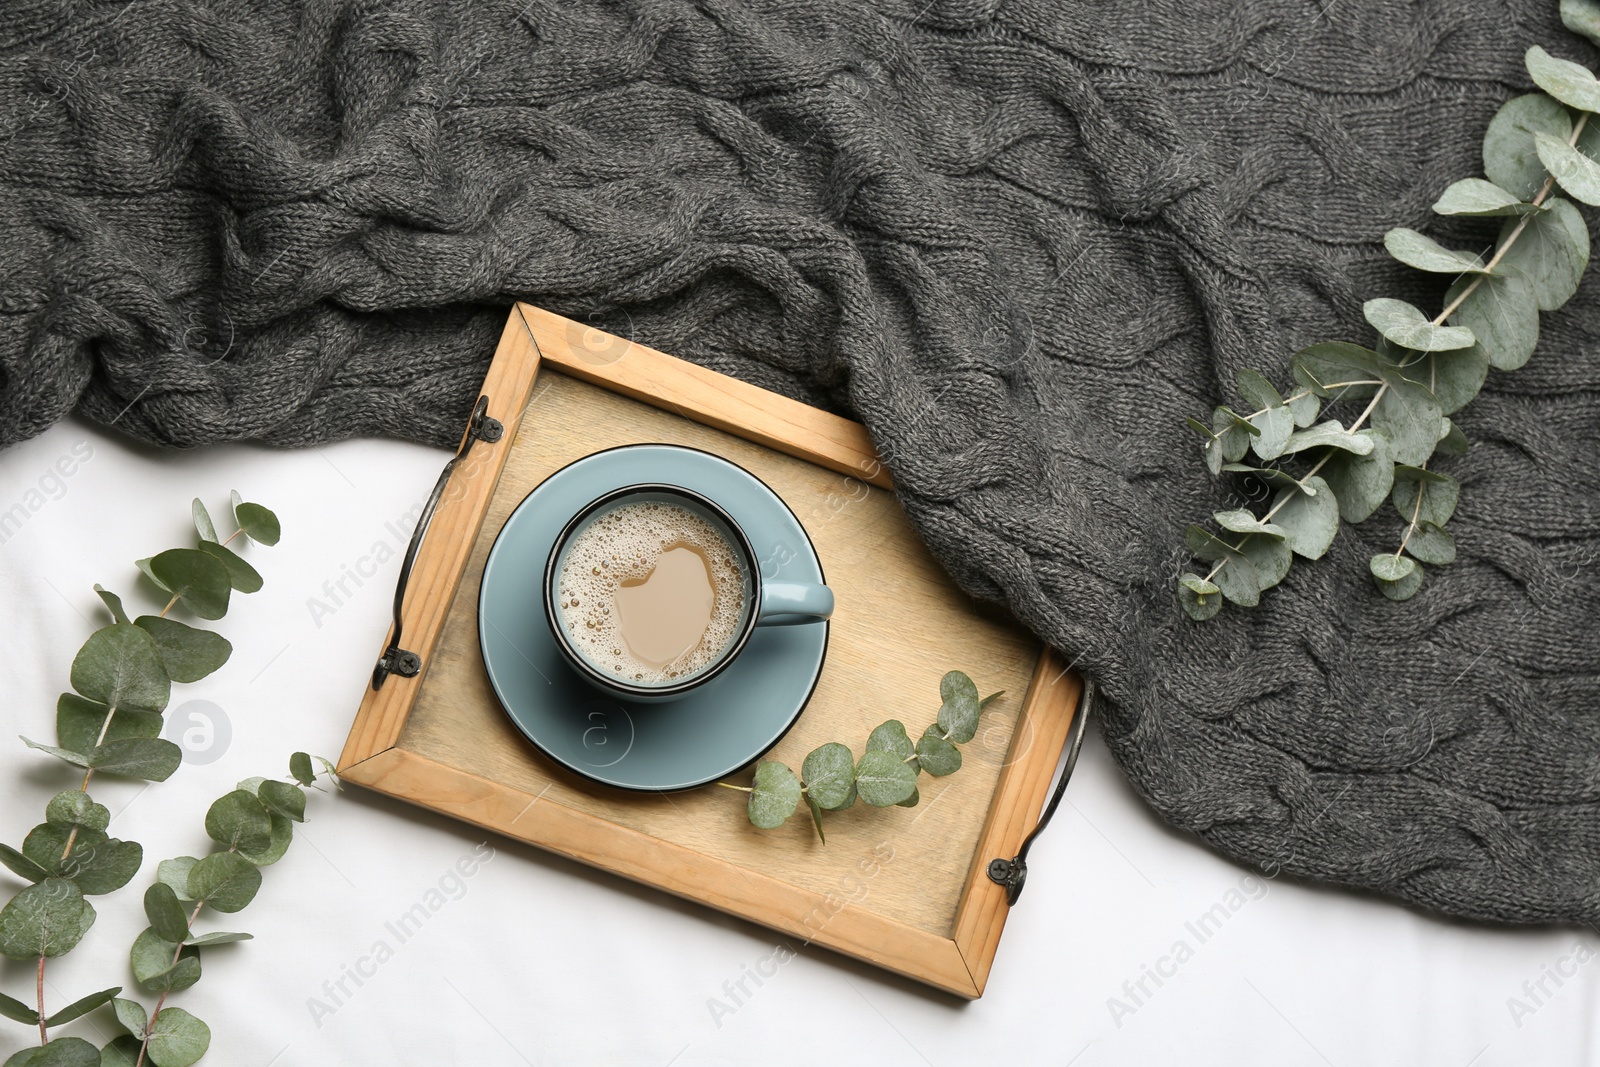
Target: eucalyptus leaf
[(1233, 433), (938, 756), (238, 820), (883, 780), (1212, 448), (1479, 198), (17, 1011), (1408, 327), (1200, 598), (119, 666), (131, 1014), (1410, 416), (202, 521), (187, 652), (175, 873), (910, 801), (1399, 577), (1453, 443), (1571, 83), (775, 795), (1509, 157), (1582, 17), (82, 1006), (1551, 252), (283, 798), (958, 714), (1502, 314), (1455, 377), (112, 602), (122, 1051), (1425, 499), (829, 776), (74, 807), (60, 1052), (21, 865), (177, 1039), (77, 759), (1361, 483), (225, 881), (1243, 520), (167, 917), (300, 768), (1237, 577), (891, 737), (282, 835), (259, 524), (79, 723), (1330, 434), (1310, 521), (152, 759), (1573, 171), (152, 958), (46, 844), (816, 817), (47, 919), (1304, 406), (1424, 253), (1269, 476), (99, 867), (1270, 556), (1275, 424), (218, 937), (1325, 368), (198, 580), (1432, 543), (1258, 393), (245, 578)]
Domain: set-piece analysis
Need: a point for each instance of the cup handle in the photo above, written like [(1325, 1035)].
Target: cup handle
[(792, 603)]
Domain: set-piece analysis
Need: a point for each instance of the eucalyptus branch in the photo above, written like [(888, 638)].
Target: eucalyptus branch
[(111, 723), (256, 823), (831, 779), (1421, 371)]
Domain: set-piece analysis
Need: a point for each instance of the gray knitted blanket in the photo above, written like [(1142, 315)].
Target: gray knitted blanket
[(1020, 239)]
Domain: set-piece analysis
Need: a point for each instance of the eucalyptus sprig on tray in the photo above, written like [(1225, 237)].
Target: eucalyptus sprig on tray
[(111, 724), (832, 779), (1420, 372)]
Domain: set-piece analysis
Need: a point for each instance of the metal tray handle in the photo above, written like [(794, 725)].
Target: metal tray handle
[(1013, 873), (395, 659)]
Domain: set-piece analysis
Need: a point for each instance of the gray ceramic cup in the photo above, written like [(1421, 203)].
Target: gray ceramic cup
[(765, 603)]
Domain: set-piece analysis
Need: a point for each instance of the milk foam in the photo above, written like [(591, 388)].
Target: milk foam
[(622, 545)]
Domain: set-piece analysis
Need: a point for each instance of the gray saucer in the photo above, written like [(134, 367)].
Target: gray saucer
[(657, 747)]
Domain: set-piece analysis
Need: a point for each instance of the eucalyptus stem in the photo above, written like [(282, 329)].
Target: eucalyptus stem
[(44, 1038)]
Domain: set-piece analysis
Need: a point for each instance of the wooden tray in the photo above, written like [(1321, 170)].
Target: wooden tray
[(903, 888)]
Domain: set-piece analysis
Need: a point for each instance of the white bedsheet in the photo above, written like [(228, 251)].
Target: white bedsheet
[(528, 958)]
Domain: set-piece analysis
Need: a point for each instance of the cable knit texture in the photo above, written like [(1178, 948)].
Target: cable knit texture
[(1020, 239)]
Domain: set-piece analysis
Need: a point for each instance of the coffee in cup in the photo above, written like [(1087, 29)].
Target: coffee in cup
[(652, 590), (651, 593)]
